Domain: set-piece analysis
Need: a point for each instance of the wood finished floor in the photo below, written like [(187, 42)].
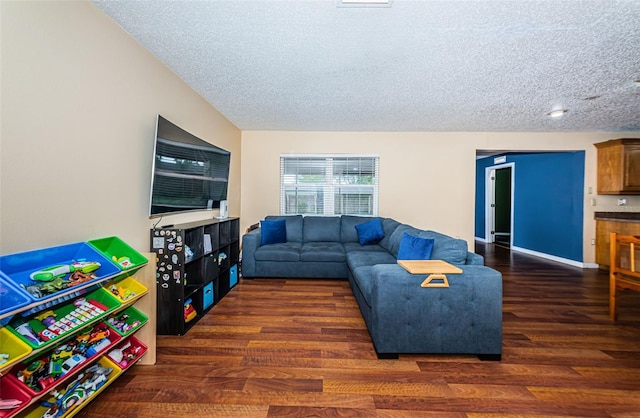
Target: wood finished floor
[(299, 348)]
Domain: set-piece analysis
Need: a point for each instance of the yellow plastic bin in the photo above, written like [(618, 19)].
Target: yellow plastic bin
[(126, 290), (12, 349)]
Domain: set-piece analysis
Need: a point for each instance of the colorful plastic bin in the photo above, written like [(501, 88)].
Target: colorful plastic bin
[(101, 296), (54, 380), (12, 346), (126, 290), (38, 410), (131, 316), (11, 299), (132, 344), (17, 268), (10, 390), (114, 249)]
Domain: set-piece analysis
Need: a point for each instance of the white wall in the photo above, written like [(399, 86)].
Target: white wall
[(427, 179), (79, 102)]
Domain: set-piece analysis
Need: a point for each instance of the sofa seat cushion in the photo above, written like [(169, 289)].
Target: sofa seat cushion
[(357, 259), (322, 251), (287, 251), (354, 246)]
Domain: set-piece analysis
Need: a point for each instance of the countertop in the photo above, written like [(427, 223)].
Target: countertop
[(617, 216)]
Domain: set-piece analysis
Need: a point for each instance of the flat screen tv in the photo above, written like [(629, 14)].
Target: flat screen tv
[(188, 174)]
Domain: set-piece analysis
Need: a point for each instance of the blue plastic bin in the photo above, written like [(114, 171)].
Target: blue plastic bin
[(233, 275), (11, 299), (208, 296), (16, 268)]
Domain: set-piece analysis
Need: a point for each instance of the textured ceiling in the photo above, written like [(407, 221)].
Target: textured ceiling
[(415, 66)]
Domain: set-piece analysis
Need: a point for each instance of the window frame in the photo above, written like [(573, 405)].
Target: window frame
[(331, 188)]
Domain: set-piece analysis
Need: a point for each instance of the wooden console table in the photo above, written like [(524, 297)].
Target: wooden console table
[(436, 269)]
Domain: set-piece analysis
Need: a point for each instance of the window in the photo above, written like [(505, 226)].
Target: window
[(329, 185)]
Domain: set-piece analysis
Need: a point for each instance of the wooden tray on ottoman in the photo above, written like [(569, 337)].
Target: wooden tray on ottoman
[(436, 269)]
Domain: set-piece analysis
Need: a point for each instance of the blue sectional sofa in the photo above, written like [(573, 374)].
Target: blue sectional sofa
[(401, 316)]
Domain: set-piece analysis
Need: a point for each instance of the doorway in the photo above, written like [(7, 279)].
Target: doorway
[(499, 211)]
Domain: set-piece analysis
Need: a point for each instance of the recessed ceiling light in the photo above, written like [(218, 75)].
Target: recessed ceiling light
[(557, 113)]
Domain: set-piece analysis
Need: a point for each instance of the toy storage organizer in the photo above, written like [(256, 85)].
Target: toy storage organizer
[(196, 266), (76, 335)]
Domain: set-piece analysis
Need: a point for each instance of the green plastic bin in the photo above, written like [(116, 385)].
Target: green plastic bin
[(133, 319), (119, 252), (101, 296)]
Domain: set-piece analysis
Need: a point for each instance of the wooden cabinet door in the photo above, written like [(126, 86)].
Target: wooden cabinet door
[(619, 166), (603, 229), (609, 169), (632, 168)]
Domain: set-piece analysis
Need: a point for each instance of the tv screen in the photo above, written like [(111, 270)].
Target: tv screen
[(188, 174)]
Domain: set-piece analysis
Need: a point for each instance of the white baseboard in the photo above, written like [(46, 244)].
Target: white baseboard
[(555, 258), (481, 239)]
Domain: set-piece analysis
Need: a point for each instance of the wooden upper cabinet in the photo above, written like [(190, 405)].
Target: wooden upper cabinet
[(619, 166)]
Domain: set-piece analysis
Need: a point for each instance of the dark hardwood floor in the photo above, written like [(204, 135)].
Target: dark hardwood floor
[(299, 348)]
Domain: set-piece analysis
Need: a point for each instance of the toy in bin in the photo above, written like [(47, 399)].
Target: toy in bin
[(125, 355), (124, 262), (121, 292), (52, 279), (53, 272), (81, 388), (40, 374), (121, 323), (189, 311)]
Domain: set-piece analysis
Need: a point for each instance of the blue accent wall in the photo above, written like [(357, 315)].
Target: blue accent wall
[(548, 202)]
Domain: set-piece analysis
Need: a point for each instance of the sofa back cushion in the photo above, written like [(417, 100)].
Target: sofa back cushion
[(388, 226), (321, 228), (396, 238), (348, 224), (293, 226), (452, 250)]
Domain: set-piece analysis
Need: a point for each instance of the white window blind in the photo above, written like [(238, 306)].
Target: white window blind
[(329, 184)]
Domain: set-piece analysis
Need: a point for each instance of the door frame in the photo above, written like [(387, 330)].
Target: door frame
[(489, 200)]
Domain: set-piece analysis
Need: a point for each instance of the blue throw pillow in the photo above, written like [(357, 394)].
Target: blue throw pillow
[(370, 232), (415, 248), (273, 232)]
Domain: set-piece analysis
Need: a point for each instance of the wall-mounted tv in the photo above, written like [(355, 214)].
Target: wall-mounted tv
[(188, 174)]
